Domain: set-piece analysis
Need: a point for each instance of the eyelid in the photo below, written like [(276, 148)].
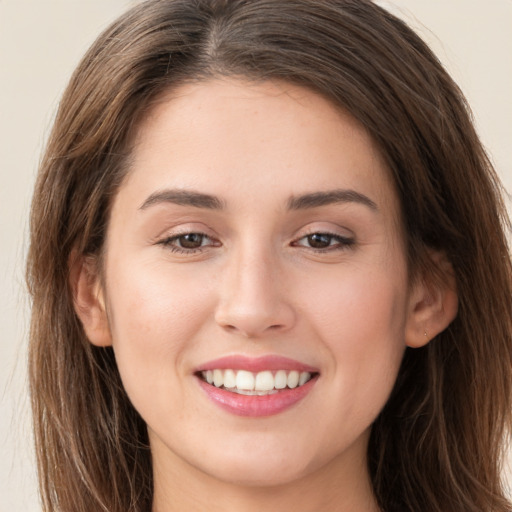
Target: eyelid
[(183, 228), (170, 244), (345, 241), (167, 239), (330, 229)]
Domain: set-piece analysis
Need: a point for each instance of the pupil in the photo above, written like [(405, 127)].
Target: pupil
[(191, 241), (319, 241)]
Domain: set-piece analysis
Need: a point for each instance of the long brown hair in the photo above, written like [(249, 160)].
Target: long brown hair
[(437, 445)]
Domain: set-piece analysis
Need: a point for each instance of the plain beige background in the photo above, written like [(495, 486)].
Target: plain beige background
[(40, 43)]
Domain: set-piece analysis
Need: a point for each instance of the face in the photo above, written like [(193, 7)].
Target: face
[(255, 243)]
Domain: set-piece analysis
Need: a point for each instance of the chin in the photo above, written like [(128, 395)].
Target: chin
[(251, 467), (254, 474)]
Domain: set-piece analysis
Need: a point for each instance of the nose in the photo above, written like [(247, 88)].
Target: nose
[(253, 299)]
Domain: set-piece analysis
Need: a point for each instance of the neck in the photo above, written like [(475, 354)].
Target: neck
[(335, 487)]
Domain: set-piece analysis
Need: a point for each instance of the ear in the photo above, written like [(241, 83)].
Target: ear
[(433, 303), (88, 299)]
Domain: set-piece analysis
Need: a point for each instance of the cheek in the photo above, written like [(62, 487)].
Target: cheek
[(360, 318), (154, 317), (358, 304), (150, 299)]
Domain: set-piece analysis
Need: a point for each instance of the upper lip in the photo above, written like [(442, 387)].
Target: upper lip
[(256, 364)]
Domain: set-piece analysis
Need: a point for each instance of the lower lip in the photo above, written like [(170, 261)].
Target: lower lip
[(257, 406)]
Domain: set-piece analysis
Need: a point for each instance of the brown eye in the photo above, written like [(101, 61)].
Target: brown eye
[(190, 240), (324, 242), (319, 240)]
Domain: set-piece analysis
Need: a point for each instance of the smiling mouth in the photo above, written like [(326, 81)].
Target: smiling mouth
[(262, 383)]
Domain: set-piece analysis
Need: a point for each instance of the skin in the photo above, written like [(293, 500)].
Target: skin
[(255, 286)]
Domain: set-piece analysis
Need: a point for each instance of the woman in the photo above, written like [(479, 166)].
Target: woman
[(268, 269)]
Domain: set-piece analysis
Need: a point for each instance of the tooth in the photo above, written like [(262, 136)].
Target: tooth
[(304, 377), (244, 380), (253, 392), (246, 392), (260, 383), (264, 381), (218, 378), (293, 379), (229, 379), (280, 379)]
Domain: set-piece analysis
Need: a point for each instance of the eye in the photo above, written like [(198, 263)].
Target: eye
[(324, 241), (188, 242)]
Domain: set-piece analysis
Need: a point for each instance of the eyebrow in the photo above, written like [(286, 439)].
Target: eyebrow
[(317, 199), (302, 202), (183, 198)]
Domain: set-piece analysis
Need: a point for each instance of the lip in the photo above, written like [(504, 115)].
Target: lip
[(256, 364), (256, 406)]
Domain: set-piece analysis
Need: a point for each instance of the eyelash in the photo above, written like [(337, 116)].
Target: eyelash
[(342, 242), (168, 243)]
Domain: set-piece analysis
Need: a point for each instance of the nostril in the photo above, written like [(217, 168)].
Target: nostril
[(254, 318), (252, 331)]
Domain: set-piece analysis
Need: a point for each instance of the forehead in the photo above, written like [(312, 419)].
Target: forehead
[(272, 139)]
